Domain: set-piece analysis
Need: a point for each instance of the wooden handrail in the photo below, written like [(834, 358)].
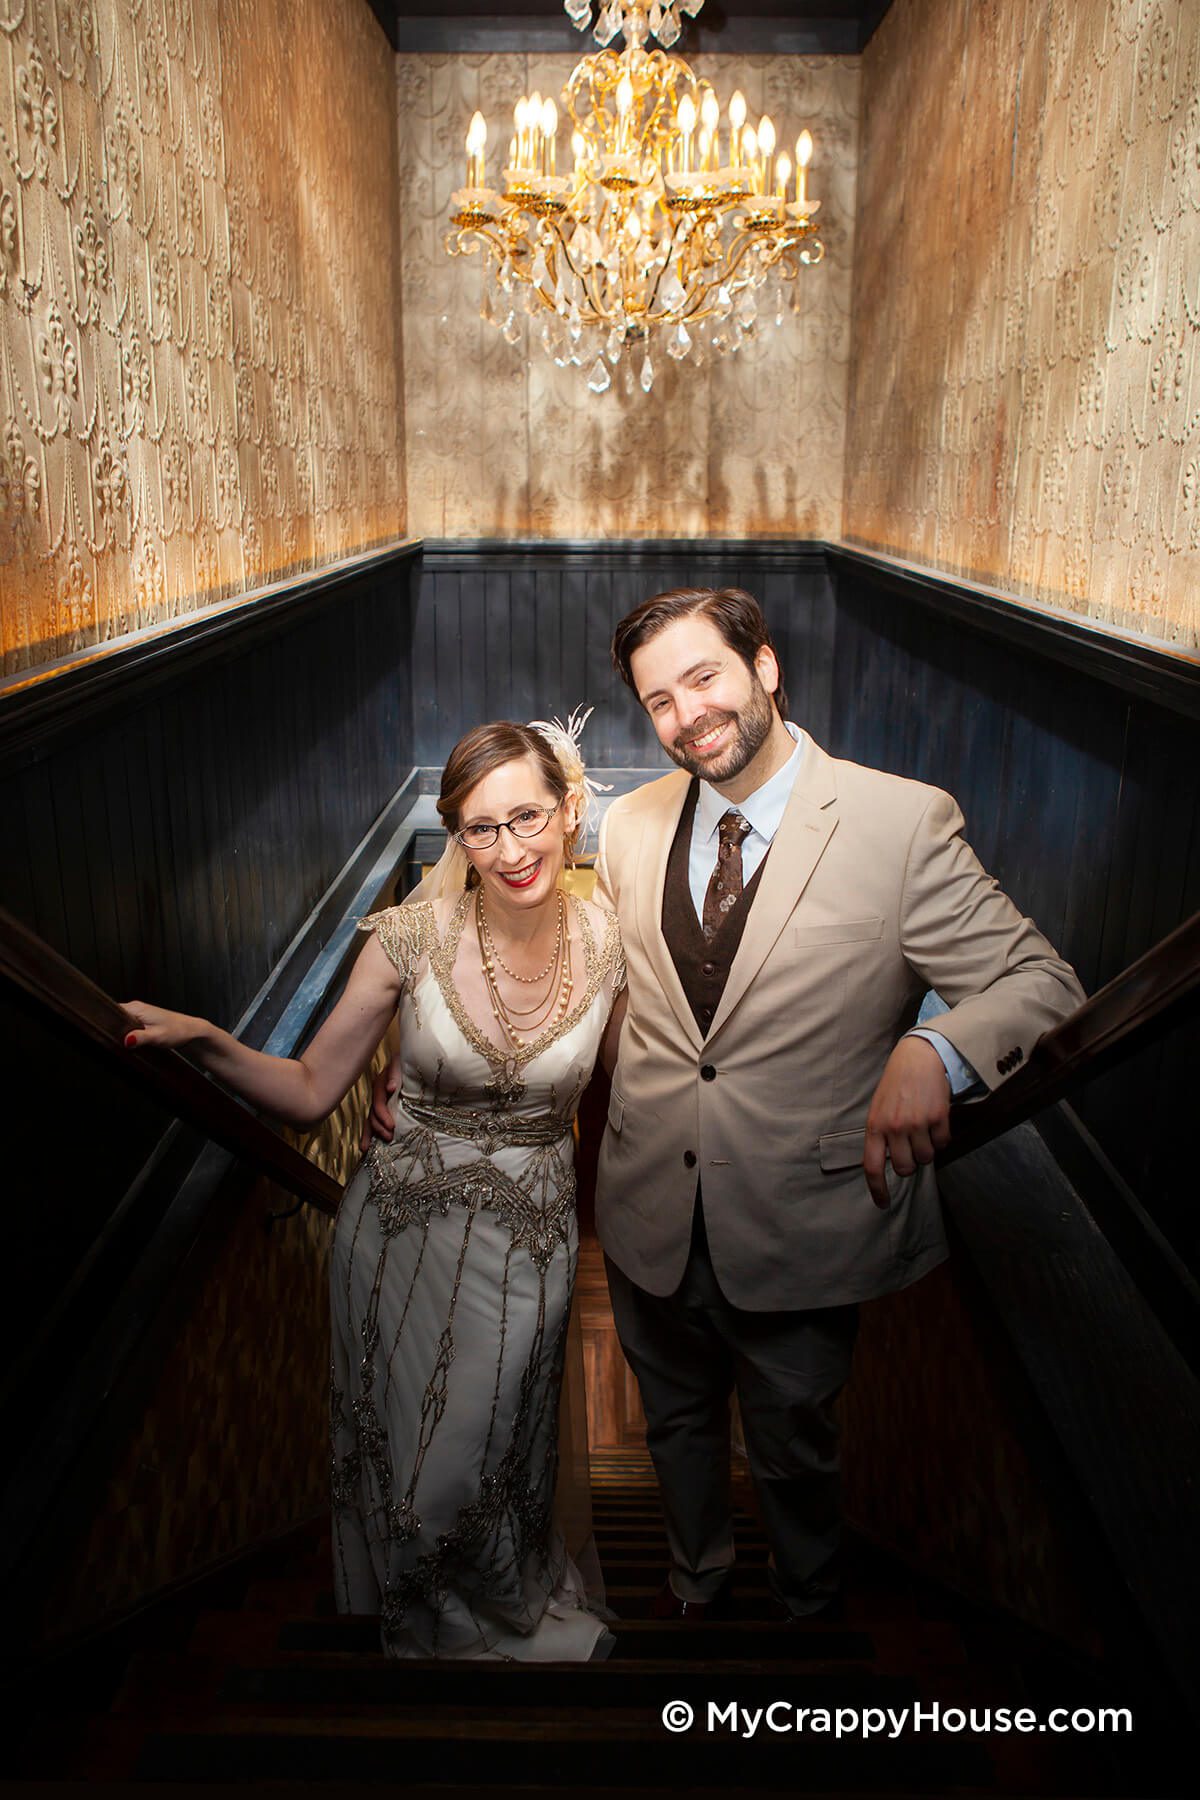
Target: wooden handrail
[(1139, 1002), (76, 1004)]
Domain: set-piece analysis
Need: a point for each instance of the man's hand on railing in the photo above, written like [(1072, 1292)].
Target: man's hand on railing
[(909, 1118)]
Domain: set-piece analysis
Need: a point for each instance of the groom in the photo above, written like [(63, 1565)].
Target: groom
[(774, 1112)]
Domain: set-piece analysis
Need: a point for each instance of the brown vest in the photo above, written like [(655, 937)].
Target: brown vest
[(703, 966)]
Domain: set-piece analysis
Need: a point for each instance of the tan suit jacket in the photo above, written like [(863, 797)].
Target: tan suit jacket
[(869, 897)]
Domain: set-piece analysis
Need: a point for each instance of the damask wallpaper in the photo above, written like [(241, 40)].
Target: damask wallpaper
[(1025, 377), (199, 378), (502, 443)]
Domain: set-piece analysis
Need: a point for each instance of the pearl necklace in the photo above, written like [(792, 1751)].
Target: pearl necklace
[(493, 955), (554, 1003)]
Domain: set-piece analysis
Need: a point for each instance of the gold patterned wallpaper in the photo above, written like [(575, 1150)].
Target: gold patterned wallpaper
[(1025, 376), (498, 445), (199, 379)]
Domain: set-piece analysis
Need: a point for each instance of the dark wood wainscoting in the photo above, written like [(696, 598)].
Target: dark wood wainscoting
[(1076, 760), (523, 631), (172, 811)]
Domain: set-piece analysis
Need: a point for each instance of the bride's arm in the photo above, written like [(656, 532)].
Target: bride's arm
[(299, 1090)]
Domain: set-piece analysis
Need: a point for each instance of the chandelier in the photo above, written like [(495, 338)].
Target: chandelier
[(669, 225)]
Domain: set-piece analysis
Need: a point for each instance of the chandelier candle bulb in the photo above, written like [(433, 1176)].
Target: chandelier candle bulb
[(737, 118), (750, 152), (476, 144), (804, 150), (783, 174), (686, 117)]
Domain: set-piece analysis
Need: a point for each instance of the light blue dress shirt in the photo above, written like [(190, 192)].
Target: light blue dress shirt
[(763, 811)]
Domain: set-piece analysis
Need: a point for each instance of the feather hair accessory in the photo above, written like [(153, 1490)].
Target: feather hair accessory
[(564, 740)]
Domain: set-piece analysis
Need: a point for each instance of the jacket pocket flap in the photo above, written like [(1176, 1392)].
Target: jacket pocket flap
[(842, 931), (841, 1149), (616, 1110)]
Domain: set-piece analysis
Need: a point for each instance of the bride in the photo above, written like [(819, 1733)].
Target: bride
[(455, 1245)]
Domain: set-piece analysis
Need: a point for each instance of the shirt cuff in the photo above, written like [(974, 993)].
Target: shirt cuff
[(959, 1072)]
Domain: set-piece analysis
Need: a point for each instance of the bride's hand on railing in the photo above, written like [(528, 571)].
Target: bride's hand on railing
[(165, 1030)]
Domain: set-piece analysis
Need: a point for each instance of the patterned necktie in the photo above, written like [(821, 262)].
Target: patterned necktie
[(725, 883)]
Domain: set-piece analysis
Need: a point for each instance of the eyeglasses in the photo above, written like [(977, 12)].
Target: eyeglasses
[(526, 824)]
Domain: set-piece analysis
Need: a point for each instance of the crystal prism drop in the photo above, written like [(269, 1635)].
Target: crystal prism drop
[(747, 308), (599, 380), (575, 323), (679, 342), (668, 31), (505, 276), (487, 310), (724, 304), (512, 328), (647, 375), (538, 273), (560, 297), (615, 344)]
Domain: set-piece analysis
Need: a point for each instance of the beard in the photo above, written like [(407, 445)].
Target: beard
[(751, 729)]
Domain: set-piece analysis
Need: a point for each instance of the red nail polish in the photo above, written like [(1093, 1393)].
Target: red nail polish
[(130, 1041)]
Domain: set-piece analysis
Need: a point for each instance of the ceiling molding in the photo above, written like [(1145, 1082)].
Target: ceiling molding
[(538, 27)]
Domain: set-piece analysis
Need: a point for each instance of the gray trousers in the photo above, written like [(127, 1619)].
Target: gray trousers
[(689, 1351)]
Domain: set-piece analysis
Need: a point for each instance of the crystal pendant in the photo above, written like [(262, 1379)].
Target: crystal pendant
[(560, 297), (647, 375), (724, 302), (679, 342), (671, 294), (511, 329), (668, 31), (599, 380), (539, 274), (655, 18), (627, 383), (578, 11), (747, 308), (690, 7), (505, 276), (607, 25), (551, 336), (574, 323), (615, 344), (487, 310)]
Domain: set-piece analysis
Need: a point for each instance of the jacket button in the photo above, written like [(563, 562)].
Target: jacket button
[(689, 1159), (708, 968), (707, 1072)]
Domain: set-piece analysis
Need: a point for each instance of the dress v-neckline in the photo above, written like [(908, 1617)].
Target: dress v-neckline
[(444, 954)]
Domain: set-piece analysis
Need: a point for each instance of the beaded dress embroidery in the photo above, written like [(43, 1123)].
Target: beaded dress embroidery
[(452, 1272)]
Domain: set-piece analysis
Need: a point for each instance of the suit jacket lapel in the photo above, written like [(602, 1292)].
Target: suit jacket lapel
[(658, 832), (798, 846)]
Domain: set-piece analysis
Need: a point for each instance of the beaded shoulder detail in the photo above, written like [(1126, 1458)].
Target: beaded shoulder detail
[(407, 933)]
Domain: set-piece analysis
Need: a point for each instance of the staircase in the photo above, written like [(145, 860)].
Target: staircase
[(255, 1678)]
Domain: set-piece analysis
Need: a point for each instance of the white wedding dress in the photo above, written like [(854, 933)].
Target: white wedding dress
[(451, 1279)]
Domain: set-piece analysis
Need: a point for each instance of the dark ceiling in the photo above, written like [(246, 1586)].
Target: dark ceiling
[(785, 27)]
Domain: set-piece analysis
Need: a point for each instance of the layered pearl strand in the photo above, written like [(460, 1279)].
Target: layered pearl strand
[(519, 1024)]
